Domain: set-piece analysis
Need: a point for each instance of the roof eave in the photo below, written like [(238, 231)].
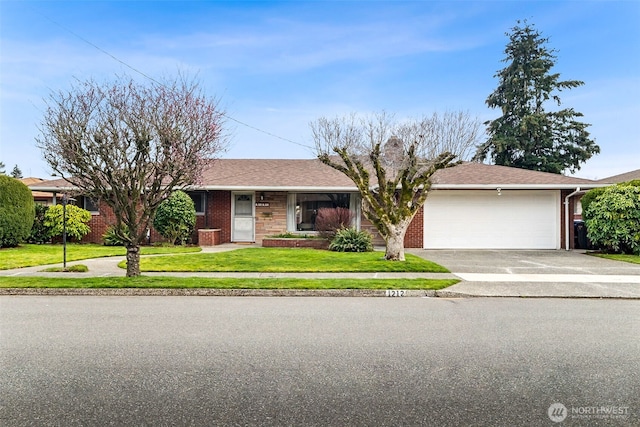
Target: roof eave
[(516, 186), (270, 188), (52, 189)]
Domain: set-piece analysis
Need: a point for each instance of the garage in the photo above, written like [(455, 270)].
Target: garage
[(491, 219)]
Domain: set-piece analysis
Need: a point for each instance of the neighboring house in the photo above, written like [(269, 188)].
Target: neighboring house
[(470, 206), (40, 197), (623, 177)]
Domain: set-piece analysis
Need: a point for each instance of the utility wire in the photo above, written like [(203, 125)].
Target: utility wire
[(161, 84)]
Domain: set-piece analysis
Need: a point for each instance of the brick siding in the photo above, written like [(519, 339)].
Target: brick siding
[(415, 232), (269, 220)]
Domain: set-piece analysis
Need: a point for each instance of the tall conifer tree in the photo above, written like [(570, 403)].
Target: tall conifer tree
[(528, 136)]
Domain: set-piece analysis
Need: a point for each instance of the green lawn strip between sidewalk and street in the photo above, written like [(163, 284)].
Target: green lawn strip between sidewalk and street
[(32, 255), (222, 283), (285, 260)]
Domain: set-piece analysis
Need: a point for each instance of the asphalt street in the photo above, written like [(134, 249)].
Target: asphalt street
[(206, 361)]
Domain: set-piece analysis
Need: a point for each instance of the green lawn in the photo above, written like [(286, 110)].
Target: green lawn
[(30, 255), (215, 283), (240, 260), (282, 260), (635, 259)]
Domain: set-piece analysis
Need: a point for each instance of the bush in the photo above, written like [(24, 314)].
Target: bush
[(290, 235), (351, 240), (111, 238), (176, 218), (613, 219), (330, 220), (594, 193), (17, 211), (76, 221), (76, 268), (39, 232)]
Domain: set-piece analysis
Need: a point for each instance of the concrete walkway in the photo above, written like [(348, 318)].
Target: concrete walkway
[(534, 274)]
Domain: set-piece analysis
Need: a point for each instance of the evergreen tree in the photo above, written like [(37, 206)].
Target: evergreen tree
[(526, 135), (2, 171), (16, 172)]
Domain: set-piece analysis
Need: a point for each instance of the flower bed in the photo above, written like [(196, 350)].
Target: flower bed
[(285, 242)]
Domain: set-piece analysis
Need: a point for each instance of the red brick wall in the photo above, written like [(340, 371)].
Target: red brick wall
[(415, 233), (413, 238), (209, 237), (99, 224), (218, 213), (269, 220), (563, 194)]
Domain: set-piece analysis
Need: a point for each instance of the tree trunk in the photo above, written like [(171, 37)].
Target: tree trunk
[(395, 242), (133, 260)]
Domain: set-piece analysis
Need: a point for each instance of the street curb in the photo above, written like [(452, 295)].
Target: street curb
[(449, 294), (215, 292), (339, 293)]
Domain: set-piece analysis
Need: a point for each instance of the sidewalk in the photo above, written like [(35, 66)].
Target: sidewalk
[(471, 285)]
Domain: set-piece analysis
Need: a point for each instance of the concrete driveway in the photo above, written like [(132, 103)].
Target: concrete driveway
[(563, 274), (527, 262)]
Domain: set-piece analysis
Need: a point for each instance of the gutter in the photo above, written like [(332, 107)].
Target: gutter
[(566, 215), (317, 188), (586, 185)]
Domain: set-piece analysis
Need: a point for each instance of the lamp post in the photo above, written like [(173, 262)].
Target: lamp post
[(65, 200)]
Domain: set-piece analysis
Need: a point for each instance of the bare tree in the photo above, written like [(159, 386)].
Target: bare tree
[(391, 162), (130, 145)]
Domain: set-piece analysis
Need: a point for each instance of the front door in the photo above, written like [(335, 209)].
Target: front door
[(243, 221)]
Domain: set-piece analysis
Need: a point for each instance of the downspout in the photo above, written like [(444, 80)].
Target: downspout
[(566, 217)]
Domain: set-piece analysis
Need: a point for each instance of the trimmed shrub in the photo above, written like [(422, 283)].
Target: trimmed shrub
[(111, 238), (351, 240), (176, 218), (330, 220), (76, 221), (613, 219), (594, 193), (17, 211), (39, 232)]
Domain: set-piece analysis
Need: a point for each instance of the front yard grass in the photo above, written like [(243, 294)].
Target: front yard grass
[(286, 260), (222, 283), (635, 259), (31, 255), (239, 260)]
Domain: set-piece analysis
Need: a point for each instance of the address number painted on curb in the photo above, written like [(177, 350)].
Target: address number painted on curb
[(395, 293)]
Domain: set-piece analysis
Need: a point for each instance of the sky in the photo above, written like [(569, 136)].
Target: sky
[(275, 66)]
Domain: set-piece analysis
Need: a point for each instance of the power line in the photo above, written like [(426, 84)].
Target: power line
[(161, 84)]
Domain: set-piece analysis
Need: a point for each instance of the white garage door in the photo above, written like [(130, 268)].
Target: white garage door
[(486, 220)]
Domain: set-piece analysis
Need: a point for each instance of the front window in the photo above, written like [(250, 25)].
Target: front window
[(199, 200), (90, 205), (303, 208)]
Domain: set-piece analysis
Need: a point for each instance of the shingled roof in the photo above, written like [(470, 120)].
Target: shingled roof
[(479, 175), (623, 177), (312, 175), (276, 174)]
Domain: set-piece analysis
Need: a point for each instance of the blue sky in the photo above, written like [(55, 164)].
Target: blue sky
[(279, 65)]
